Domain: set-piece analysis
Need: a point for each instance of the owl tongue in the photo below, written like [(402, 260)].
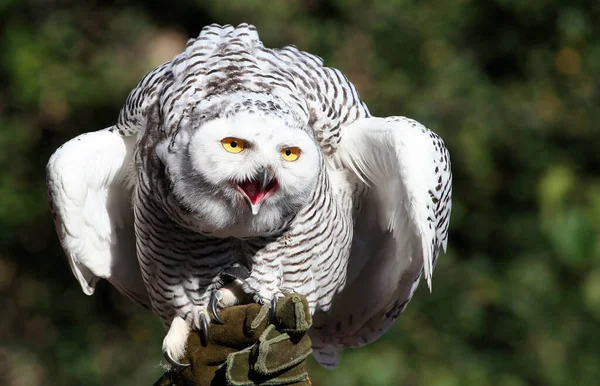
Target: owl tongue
[(253, 191)]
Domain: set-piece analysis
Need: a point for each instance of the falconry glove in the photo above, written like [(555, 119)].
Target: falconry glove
[(249, 349)]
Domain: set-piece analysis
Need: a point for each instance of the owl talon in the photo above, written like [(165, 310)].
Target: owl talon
[(176, 365), (274, 301), (204, 330), (214, 309)]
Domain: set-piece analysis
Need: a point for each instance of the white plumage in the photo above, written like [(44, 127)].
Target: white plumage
[(91, 206), (233, 153)]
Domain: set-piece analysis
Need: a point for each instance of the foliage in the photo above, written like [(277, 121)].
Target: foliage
[(511, 86)]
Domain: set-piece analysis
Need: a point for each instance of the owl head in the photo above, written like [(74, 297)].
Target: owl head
[(242, 166)]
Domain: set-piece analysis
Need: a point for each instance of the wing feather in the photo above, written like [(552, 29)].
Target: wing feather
[(90, 199), (405, 202), (407, 168)]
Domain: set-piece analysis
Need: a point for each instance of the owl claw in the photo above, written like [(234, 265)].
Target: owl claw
[(178, 366), (213, 308), (204, 330), (274, 301)]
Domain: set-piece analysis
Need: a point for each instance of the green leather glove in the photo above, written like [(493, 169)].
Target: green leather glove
[(246, 350)]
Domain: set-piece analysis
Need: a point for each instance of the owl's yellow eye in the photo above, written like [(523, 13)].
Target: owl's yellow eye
[(290, 153), (233, 145)]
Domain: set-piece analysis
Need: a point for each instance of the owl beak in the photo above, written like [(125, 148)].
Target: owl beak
[(265, 179), (256, 190), (255, 207)]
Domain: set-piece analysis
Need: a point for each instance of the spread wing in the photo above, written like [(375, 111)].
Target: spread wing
[(87, 181), (403, 211)]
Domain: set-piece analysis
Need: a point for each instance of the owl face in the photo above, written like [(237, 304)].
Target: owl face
[(243, 175)]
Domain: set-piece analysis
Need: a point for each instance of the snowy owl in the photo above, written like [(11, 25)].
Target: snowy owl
[(264, 167)]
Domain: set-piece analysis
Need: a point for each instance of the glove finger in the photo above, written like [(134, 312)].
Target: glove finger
[(292, 314), (275, 352), (239, 373)]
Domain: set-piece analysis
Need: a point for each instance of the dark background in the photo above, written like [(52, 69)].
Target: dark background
[(513, 88)]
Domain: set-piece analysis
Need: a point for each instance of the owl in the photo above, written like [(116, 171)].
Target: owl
[(236, 173)]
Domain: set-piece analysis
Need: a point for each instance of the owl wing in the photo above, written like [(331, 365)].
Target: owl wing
[(403, 212), (90, 200)]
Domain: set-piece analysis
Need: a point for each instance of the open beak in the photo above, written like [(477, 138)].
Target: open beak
[(256, 190)]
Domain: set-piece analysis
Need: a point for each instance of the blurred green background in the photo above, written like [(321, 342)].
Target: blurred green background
[(512, 86)]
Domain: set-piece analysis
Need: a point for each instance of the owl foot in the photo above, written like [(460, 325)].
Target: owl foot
[(231, 293), (262, 294), (174, 343), (173, 347), (216, 302)]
